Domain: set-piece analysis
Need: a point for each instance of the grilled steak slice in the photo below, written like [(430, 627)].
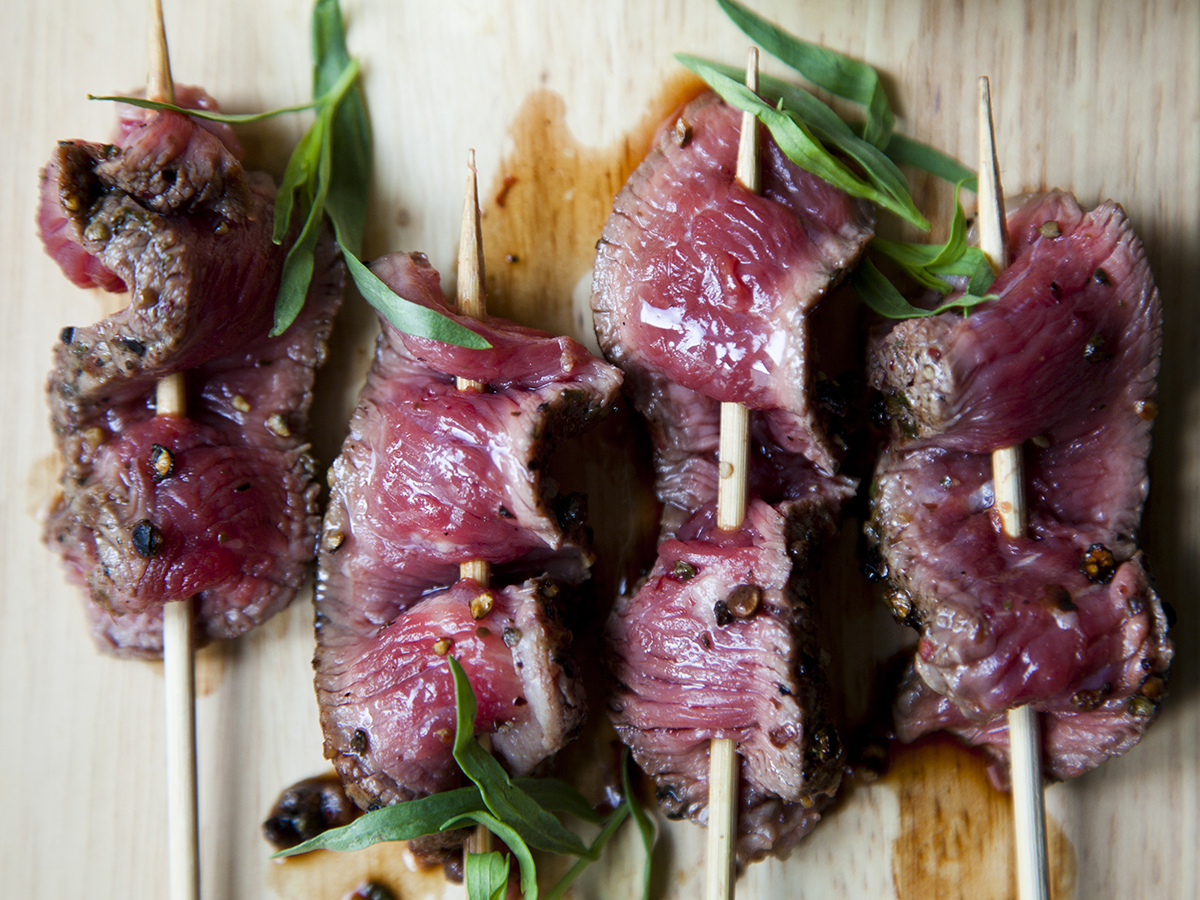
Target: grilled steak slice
[(387, 698), (719, 642), (703, 293), (709, 285), (1064, 618), (219, 505), (685, 431), (429, 477)]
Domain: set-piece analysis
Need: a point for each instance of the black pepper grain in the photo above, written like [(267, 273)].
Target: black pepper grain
[(147, 539)]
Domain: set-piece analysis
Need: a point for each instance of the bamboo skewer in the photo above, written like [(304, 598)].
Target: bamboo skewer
[(179, 672), (733, 459), (473, 302), (1029, 804)]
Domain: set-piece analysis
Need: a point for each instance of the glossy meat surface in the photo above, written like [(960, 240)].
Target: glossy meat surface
[(710, 286), (719, 642), (1064, 618), (387, 698), (218, 505), (430, 477)]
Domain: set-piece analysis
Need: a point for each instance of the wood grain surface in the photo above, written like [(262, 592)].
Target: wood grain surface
[(558, 99)]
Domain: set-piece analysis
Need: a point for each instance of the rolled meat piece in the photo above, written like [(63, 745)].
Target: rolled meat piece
[(431, 476), (220, 505), (703, 293), (1064, 618)]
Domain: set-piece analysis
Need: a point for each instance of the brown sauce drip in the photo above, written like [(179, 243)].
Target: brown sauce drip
[(956, 835), (551, 197), (325, 874)]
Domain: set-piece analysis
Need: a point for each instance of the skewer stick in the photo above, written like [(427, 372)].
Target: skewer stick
[(1029, 802), (732, 461), (179, 672), (472, 302)]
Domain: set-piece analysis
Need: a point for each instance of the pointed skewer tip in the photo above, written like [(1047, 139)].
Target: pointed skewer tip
[(159, 84)]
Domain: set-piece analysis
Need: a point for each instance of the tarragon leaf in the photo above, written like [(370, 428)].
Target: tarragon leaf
[(930, 264), (409, 317), (832, 131), (485, 875), (508, 802), (300, 172), (906, 151), (208, 115), (835, 72), (349, 192), (613, 822), (644, 826), (798, 143), (512, 839), (558, 796), (298, 264), (881, 295), (399, 822)]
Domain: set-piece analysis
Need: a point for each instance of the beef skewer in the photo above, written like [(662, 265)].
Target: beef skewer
[(437, 489), (179, 664), (703, 292), (1028, 795), (733, 456)]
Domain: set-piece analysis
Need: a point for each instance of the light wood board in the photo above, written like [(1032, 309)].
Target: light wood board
[(1099, 97)]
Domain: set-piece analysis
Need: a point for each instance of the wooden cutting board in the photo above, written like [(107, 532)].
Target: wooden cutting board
[(558, 100)]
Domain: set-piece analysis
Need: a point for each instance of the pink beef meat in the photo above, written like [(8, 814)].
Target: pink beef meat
[(710, 286), (387, 697), (703, 294), (719, 642), (430, 477), (219, 505), (1065, 617)]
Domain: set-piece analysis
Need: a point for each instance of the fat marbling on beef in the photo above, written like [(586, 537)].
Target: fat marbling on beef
[(1064, 618), (430, 477), (702, 293), (219, 505)]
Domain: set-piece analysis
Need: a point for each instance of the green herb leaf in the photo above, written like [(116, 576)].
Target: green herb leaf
[(298, 264), (399, 822), (799, 144), (329, 173), (614, 821), (882, 297), (558, 796), (409, 317), (644, 826), (207, 115), (839, 74), (485, 875), (349, 191), (831, 131), (508, 802), (905, 151), (930, 265), (300, 173), (512, 839)]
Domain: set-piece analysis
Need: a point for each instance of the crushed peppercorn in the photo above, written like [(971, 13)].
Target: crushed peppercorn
[(721, 611), (162, 462), (1098, 564), (743, 600), (147, 539), (481, 605)]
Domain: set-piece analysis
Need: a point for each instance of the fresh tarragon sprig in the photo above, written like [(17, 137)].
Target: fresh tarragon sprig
[(518, 811), (804, 127), (329, 174)]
